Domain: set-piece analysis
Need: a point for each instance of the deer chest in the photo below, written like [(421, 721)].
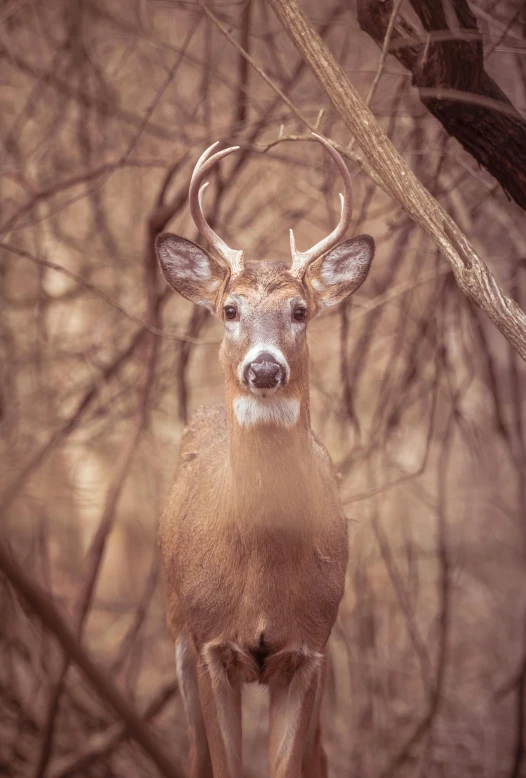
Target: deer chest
[(272, 580)]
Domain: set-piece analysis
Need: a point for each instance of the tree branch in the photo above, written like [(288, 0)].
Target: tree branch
[(446, 64), (471, 273)]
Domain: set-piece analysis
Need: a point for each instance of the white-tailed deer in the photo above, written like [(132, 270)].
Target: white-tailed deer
[(254, 541)]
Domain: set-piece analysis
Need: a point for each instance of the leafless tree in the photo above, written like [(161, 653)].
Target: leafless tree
[(105, 108)]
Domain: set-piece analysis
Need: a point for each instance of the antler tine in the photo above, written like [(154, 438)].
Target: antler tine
[(302, 259), (232, 257)]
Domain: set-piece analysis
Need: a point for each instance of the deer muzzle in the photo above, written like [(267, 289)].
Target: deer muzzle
[(264, 372)]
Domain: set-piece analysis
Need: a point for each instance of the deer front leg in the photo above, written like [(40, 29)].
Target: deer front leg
[(220, 697), (186, 668), (314, 759), (295, 736)]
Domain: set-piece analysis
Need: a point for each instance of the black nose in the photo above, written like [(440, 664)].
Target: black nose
[(264, 372)]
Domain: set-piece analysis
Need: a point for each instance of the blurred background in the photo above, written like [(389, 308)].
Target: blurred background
[(105, 107)]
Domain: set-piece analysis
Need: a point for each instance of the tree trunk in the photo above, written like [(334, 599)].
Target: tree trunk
[(448, 69)]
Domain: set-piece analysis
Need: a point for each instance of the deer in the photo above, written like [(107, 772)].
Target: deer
[(253, 539)]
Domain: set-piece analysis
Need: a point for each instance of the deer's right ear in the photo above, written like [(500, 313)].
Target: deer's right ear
[(189, 269), (340, 272)]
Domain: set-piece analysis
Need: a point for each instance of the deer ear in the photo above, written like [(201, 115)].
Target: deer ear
[(339, 273), (189, 269)]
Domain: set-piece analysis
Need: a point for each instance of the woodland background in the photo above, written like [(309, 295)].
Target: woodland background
[(105, 107)]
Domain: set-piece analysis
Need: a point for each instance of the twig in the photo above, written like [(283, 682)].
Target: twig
[(385, 50), (241, 105)]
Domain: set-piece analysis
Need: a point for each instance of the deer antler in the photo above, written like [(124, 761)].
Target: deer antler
[(232, 257), (302, 259)]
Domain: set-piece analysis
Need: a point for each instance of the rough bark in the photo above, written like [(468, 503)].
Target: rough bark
[(448, 69), (470, 271)]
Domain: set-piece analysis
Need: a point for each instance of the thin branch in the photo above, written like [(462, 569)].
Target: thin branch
[(385, 50)]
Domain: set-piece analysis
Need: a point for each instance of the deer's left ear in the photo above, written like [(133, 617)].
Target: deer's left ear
[(339, 273)]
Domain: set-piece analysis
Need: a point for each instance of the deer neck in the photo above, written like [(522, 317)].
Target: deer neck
[(270, 457)]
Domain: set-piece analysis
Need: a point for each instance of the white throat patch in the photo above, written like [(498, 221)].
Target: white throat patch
[(282, 411)]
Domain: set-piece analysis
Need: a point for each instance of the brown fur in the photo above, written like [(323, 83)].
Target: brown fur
[(257, 536), (253, 539)]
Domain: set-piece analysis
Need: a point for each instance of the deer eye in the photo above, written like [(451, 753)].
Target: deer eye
[(230, 312), (300, 313)]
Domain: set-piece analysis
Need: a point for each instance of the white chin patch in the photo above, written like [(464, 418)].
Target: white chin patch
[(281, 411)]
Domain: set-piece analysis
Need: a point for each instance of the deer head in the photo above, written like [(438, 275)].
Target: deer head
[(265, 306)]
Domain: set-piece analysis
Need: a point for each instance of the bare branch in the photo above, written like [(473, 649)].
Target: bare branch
[(471, 273)]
